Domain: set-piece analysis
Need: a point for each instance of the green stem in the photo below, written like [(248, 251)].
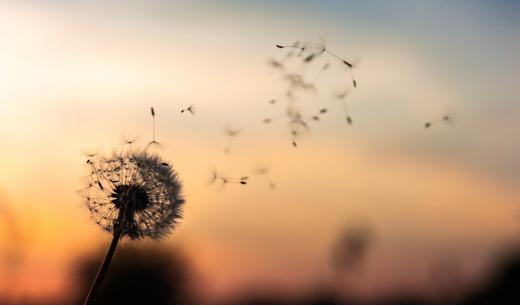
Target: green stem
[(103, 269)]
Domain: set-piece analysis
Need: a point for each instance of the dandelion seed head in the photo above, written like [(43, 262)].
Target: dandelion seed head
[(135, 192)]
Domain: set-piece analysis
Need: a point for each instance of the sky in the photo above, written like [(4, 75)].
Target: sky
[(75, 76)]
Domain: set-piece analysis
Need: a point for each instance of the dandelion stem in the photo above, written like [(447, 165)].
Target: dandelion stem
[(103, 269)]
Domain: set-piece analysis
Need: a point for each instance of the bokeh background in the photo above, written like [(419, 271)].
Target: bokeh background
[(425, 212)]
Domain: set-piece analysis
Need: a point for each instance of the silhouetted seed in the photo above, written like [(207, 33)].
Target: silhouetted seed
[(295, 45), (309, 52), (230, 133), (343, 94), (190, 109), (294, 144), (88, 154), (261, 170), (216, 176), (153, 142), (309, 58), (348, 64), (276, 64), (264, 171), (448, 119), (296, 81), (129, 141)]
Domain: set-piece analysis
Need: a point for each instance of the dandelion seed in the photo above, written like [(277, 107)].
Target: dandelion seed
[(264, 172), (190, 109), (276, 64), (273, 118), (309, 53), (129, 141), (134, 194), (342, 98), (296, 45), (230, 133), (217, 176), (310, 57), (153, 142), (317, 117), (296, 81), (447, 119), (349, 65)]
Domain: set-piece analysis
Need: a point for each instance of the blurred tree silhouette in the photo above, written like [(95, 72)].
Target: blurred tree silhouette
[(138, 275)]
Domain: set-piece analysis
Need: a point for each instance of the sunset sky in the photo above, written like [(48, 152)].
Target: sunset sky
[(75, 76)]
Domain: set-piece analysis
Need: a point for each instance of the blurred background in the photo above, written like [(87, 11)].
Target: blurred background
[(383, 210)]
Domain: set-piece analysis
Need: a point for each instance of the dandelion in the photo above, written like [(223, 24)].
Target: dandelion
[(134, 194)]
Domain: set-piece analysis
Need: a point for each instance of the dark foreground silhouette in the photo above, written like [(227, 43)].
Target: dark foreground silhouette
[(138, 275), (154, 276)]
